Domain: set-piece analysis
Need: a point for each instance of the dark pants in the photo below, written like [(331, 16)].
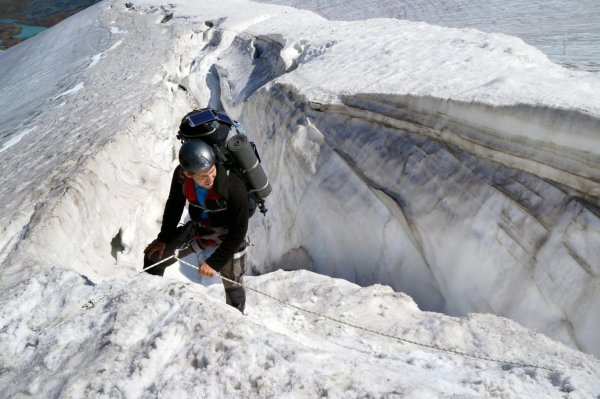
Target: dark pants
[(234, 269)]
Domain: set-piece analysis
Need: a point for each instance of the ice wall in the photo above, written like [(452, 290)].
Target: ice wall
[(468, 206), (457, 232)]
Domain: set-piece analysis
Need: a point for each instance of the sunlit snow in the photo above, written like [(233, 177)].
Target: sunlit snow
[(436, 188), (567, 31)]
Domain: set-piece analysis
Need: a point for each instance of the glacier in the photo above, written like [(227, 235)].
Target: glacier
[(455, 166), (566, 30)]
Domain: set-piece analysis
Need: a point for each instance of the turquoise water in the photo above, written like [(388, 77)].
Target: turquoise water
[(27, 31), (33, 13)]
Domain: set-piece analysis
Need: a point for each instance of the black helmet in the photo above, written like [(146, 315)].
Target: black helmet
[(196, 156)]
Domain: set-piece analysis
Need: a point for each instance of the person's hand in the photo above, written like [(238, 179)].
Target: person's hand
[(206, 270), (154, 247)]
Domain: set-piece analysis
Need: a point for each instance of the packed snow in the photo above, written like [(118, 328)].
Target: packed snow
[(567, 31), (433, 231)]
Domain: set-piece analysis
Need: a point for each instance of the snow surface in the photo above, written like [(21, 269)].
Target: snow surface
[(567, 31), (455, 167)]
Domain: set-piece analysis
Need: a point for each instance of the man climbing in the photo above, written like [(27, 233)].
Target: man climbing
[(218, 209)]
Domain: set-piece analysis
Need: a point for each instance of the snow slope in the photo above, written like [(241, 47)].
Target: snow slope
[(452, 165), (162, 338), (566, 30)]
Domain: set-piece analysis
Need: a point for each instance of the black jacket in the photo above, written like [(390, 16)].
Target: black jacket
[(234, 218)]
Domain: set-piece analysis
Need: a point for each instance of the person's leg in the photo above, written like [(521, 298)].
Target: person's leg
[(184, 234), (235, 295)]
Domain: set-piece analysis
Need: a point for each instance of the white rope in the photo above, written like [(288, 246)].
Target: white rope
[(429, 346), (94, 301)]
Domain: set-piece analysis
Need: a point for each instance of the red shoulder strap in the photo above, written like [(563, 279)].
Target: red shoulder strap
[(189, 191)]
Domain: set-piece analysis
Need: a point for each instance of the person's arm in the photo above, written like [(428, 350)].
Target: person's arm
[(237, 213), (173, 210)]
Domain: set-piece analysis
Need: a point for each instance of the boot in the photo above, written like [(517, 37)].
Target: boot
[(236, 297)]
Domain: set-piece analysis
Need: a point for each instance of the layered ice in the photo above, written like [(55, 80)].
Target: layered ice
[(442, 170), (463, 173)]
